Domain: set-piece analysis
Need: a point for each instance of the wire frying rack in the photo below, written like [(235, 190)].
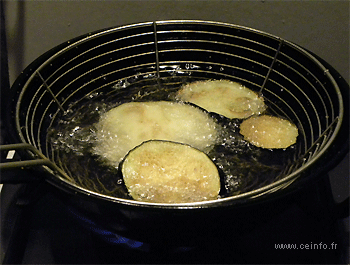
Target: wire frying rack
[(293, 83)]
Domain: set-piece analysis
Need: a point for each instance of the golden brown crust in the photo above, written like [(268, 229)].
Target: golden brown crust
[(269, 132), (169, 172)]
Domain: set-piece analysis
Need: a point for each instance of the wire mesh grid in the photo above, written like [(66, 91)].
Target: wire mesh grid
[(167, 53)]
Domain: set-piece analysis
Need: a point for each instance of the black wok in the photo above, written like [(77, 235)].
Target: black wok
[(105, 65)]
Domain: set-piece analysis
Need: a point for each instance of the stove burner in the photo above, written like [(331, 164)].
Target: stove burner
[(116, 239), (107, 235)]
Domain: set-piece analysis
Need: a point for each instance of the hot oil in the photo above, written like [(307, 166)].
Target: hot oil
[(243, 167)]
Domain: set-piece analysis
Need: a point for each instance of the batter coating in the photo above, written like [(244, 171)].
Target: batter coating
[(169, 172), (224, 97), (269, 132), (128, 125)]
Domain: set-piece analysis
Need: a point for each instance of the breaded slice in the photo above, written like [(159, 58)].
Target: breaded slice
[(169, 172), (128, 125), (269, 132), (224, 97)]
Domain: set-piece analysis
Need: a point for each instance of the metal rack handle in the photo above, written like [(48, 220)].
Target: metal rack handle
[(38, 159)]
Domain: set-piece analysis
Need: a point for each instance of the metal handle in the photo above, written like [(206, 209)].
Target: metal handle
[(16, 164), (38, 160)]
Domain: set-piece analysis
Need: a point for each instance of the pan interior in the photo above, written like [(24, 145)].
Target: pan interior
[(244, 167), (69, 87)]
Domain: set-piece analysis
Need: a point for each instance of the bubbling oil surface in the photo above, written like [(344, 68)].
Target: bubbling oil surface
[(243, 167)]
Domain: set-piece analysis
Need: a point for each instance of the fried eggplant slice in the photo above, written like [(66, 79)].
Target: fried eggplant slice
[(224, 97), (169, 172), (128, 125), (269, 132)]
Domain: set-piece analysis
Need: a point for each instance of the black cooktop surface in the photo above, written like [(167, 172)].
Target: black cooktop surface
[(55, 237)]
